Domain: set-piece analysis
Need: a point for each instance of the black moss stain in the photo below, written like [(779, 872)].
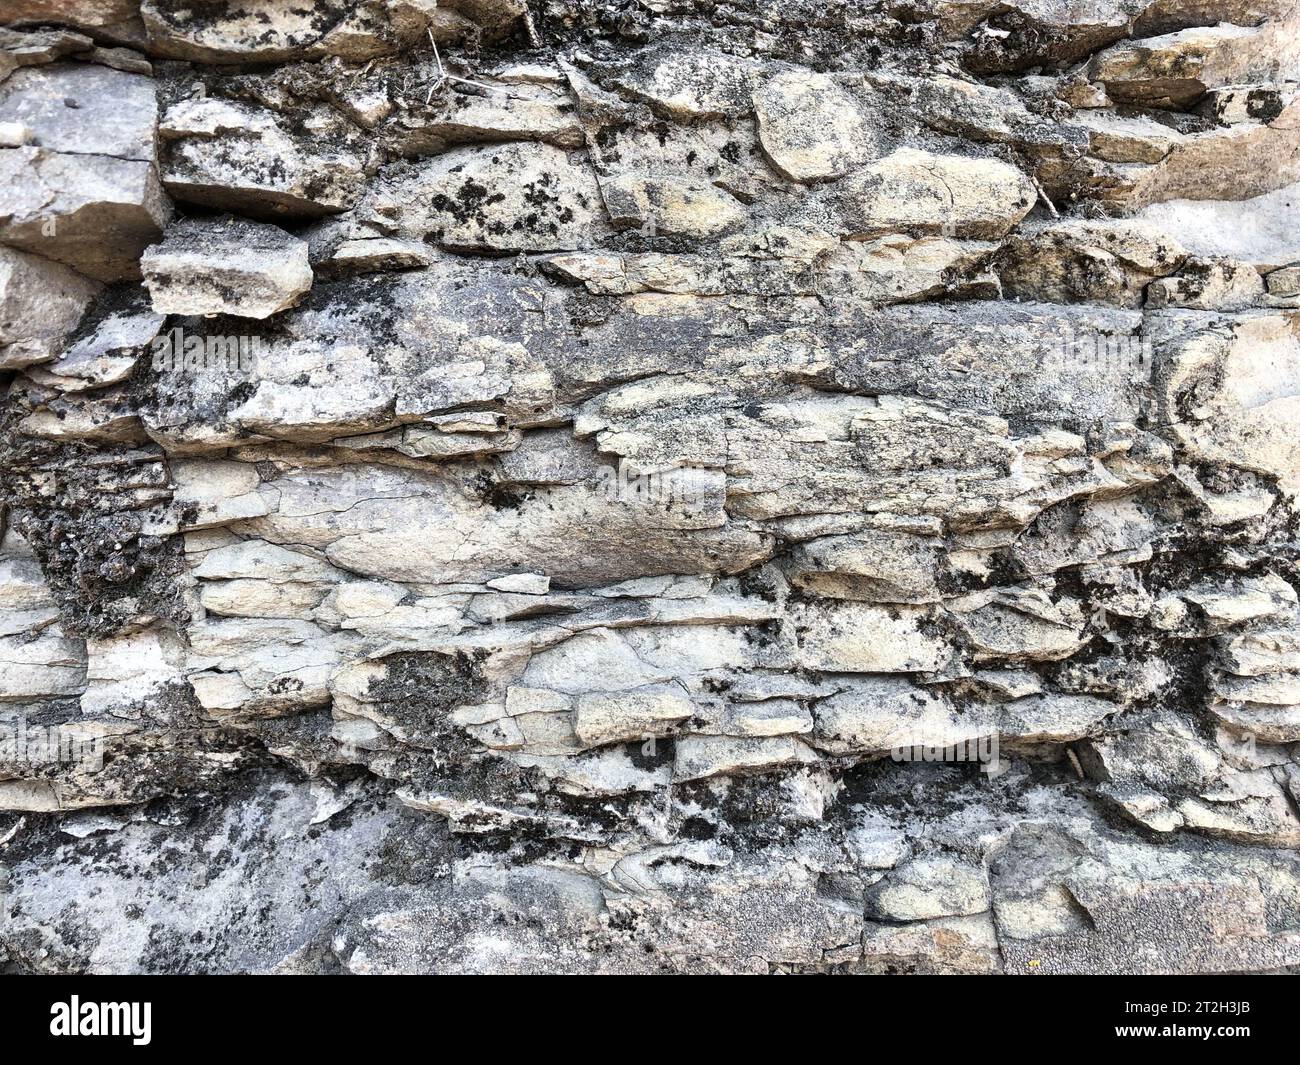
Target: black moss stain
[(420, 688)]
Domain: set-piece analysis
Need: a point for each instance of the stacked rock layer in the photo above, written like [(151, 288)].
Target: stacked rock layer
[(660, 486)]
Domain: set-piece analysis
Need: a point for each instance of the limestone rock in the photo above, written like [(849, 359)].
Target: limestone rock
[(1213, 285), (1175, 69), (235, 156), (926, 888), (633, 715), (929, 193), (670, 207), (810, 128), (1100, 262), (549, 203), (82, 188), (649, 488), (114, 20), (40, 302), (241, 268), (689, 85), (281, 31)]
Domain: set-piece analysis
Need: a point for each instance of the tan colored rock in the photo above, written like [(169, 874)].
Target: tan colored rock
[(1209, 285), (260, 599), (670, 206), (810, 128), (373, 255), (503, 113), (270, 31), (1020, 625), (1245, 413), (924, 192), (871, 565), (1175, 69), (699, 757), (629, 716), (1126, 138), (41, 665), (113, 20), (1284, 283), (1108, 262), (1233, 163), (898, 268), (926, 888), (858, 638)]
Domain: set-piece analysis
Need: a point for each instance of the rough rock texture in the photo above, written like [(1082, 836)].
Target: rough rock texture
[(650, 487)]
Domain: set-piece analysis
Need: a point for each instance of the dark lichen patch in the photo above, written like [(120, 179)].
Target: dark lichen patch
[(80, 509), (420, 688)]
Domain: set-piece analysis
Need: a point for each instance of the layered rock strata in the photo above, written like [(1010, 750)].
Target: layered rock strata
[(654, 487)]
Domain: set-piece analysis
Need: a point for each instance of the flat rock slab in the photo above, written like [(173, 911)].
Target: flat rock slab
[(231, 266), (40, 301)]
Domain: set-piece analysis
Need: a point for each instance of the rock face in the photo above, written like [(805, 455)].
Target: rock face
[(494, 487)]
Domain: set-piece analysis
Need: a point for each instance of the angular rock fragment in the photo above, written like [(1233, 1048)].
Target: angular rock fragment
[(688, 85), (925, 888), (82, 188), (113, 20), (611, 717), (930, 193), (505, 112), (1247, 420), (234, 156), (226, 267), (670, 207), (1213, 285), (40, 303), (84, 109), (278, 30), (108, 344), (1175, 69), (1095, 262), (458, 199)]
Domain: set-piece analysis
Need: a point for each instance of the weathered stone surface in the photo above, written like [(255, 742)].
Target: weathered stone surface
[(928, 193), (81, 187), (113, 20), (1256, 230), (787, 488), (670, 207), (1209, 285), (810, 128), (226, 267), (40, 303), (552, 203), (279, 30), (1175, 69), (239, 157), (1096, 262)]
